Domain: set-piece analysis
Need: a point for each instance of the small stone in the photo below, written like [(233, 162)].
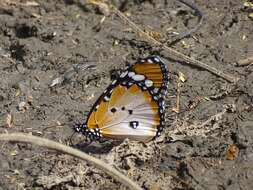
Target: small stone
[(21, 106)]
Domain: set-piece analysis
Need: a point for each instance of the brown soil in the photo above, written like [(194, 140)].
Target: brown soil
[(39, 43)]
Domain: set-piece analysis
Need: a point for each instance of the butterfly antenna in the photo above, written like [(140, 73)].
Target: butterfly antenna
[(71, 137)]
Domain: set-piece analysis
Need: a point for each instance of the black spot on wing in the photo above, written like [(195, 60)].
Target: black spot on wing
[(134, 124)]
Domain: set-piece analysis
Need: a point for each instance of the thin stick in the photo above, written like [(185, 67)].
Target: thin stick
[(187, 59), (244, 62), (178, 95), (23, 137)]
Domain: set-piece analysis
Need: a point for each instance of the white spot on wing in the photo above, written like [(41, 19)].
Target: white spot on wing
[(138, 77), (157, 59), (156, 90), (130, 74), (106, 98), (123, 74), (148, 83), (149, 61), (114, 82)]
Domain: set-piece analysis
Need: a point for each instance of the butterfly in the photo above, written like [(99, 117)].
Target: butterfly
[(132, 106)]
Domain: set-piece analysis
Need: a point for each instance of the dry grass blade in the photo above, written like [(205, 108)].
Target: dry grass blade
[(9, 120), (179, 55), (22, 137)]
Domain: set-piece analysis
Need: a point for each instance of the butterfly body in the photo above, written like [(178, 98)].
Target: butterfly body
[(132, 106)]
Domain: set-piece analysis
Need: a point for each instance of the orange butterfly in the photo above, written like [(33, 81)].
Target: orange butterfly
[(132, 106)]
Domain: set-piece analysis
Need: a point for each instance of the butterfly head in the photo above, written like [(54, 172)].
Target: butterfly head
[(92, 134)]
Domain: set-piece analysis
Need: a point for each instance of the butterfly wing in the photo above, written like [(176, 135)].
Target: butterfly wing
[(135, 115), (154, 70), (132, 106)]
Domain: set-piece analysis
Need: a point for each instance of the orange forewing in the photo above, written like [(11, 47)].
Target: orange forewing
[(116, 94), (151, 71)]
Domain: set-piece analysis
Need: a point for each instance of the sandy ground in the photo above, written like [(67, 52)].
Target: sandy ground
[(63, 39)]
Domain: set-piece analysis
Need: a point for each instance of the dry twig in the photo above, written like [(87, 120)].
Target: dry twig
[(187, 59), (179, 55), (22, 137)]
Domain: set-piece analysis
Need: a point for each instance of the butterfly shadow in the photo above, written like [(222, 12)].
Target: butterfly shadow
[(94, 147)]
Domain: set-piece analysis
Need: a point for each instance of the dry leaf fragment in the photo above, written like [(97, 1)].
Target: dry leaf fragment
[(18, 92), (176, 110), (182, 76), (115, 42), (207, 99), (104, 9), (58, 123), (16, 172), (248, 4), (35, 15), (155, 186), (102, 6), (244, 62), (185, 45), (251, 15), (232, 152), (30, 99), (156, 35), (102, 20), (78, 16), (14, 153), (91, 96), (195, 102), (56, 81), (21, 106), (9, 120), (31, 3)]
